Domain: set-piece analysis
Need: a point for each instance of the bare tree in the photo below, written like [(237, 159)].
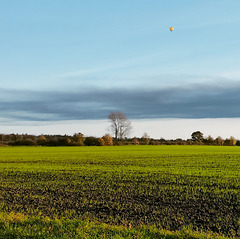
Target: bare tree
[(120, 125), (145, 139), (219, 141)]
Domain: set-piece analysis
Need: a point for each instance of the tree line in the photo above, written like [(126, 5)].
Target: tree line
[(79, 139), (120, 127)]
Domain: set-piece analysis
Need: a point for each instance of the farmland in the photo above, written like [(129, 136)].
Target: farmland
[(167, 187)]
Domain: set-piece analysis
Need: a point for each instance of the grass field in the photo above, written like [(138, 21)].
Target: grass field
[(119, 192)]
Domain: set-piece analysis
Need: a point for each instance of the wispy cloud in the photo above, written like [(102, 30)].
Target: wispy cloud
[(117, 64), (192, 101)]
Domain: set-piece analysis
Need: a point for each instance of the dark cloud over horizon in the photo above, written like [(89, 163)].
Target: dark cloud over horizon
[(192, 101)]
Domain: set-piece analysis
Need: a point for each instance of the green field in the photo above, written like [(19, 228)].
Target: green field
[(119, 192)]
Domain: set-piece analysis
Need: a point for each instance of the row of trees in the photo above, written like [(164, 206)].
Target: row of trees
[(120, 127), (79, 139)]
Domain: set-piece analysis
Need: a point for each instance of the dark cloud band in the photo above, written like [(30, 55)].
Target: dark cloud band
[(194, 101)]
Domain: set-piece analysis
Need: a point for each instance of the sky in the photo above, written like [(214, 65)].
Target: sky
[(66, 65)]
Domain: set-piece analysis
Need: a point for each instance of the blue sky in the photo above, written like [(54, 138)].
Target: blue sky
[(68, 64)]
